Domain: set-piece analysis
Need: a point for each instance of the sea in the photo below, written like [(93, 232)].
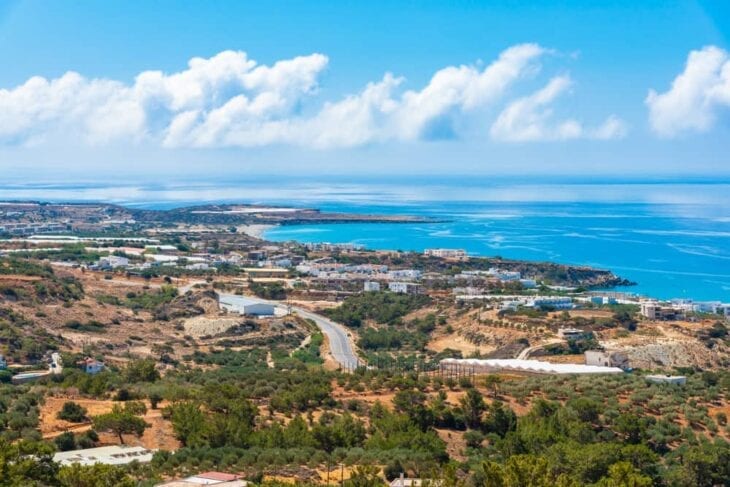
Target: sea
[(669, 236)]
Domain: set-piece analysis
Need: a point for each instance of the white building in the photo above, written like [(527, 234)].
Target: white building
[(219, 479), (446, 253), (667, 379), (528, 283), (403, 287), (107, 455), (245, 305), (371, 286), (571, 333), (113, 261), (505, 276), (607, 359), (488, 366), (92, 366), (407, 274), (557, 302)]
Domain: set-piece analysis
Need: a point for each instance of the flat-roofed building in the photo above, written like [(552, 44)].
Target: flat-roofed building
[(607, 358), (219, 479), (371, 286), (245, 305), (446, 253), (107, 455)]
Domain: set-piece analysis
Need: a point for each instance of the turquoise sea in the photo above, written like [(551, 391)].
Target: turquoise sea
[(671, 237)]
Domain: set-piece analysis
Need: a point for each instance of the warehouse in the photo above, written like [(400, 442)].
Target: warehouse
[(245, 305)]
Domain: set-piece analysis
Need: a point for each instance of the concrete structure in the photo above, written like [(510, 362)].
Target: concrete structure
[(603, 300), (557, 302), (652, 310), (245, 305), (667, 379), (405, 274), (107, 455), (571, 333), (490, 366), (446, 253), (113, 261), (404, 481), (371, 286), (92, 366), (607, 359), (266, 272), (404, 287), (528, 283), (219, 479), (505, 276)]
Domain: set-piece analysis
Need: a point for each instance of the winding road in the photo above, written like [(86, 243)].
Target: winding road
[(341, 347)]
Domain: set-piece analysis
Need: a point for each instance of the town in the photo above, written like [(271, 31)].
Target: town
[(92, 305)]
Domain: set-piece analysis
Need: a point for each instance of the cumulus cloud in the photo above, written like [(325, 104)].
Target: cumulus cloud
[(696, 96), (530, 119), (229, 100)]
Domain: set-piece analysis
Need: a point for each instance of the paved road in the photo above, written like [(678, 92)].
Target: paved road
[(341, 347)]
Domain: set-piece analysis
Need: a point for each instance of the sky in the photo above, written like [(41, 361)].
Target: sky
[(193, 89)]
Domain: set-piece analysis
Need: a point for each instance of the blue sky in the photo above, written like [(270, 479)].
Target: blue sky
[(475, 87)]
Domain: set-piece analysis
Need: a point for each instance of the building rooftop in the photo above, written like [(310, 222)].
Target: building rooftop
[(534, 366), (108, 455)]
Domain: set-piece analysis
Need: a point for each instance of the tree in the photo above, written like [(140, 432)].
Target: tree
[(26, 463), (492, 382), (65, 441), (189, 423), (473, 406), (73, 412), (623, 474), (97, 475), (364, 476), (500, 420), (120, 421), (141, 371)]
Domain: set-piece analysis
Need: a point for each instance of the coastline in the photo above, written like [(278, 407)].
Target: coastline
[(256, 230)]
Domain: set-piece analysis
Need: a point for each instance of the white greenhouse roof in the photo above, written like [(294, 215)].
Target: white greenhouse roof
[(534, 366)]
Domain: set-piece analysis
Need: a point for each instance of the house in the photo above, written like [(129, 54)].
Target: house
[(408, 274), (92, 366), (404, 287), (607, 359), (446, 253), (245, 305), (219, 479), (113, 261), (554, 302), (107, 455), (528, 283), (571, 333), (667, 379), (258, 272), (413, 482), (371, 286), (652, 310)]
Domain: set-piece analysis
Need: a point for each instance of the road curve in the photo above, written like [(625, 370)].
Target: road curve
[(341, 347)]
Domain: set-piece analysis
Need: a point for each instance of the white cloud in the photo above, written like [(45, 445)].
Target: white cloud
[(229, 100), (696, 95), (530, 119)]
